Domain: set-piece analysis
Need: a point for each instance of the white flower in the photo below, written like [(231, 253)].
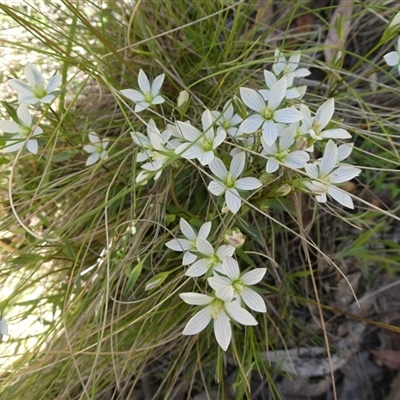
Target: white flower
[(189, 243), (240, 284), (3, 327), (227, 120), (393, 58), (22, 131), (315, 126), (148, 94), (152, 142), (291, 92), (38, 91), (212, 260), (267, 115), (219, 309), (200, 145), (229, 182), (289, 68), (280, 152), (328, 172), (97, 149)]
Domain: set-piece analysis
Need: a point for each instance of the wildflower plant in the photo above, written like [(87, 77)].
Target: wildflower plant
[(177, 224)]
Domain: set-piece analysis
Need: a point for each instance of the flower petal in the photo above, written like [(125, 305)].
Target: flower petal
[(247, 183), (251, 123), (254, 276), (143, 82), (252, 99), (34, 77), (223, 330), (133, 95), (233, 200), (198, 322), (187, 230), (218, 168), (205, 230), (253, 300), (196, 299), (239, 314), (216, 188), (231, 268), (277, 94), (237, 164), (32, 146), (341, 197), (199, 268), (179, 244), (9, 126), (325, 112), (157, 83), (204, 246), (53, 83)]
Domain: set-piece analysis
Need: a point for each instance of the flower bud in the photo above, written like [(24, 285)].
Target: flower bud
[(283, 190), (234, 237), (183, 102), (239, 107)]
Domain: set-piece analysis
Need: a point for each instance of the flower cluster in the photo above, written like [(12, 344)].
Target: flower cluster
[(266, 135), (25, 129), (231, 289)]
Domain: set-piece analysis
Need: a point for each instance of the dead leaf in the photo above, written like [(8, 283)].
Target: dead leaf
[(388, 358)]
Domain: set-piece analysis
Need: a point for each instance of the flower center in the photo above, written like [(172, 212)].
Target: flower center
[(280, 155), (148, 97), (39, 92), (226, 124), (229, 181), (267, 114), (316, 126), (98, 148), (206, 144), (24, 131), (238, 286), (217, 305)]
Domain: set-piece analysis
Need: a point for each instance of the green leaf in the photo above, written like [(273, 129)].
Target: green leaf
[(133, 276), (245, 257)]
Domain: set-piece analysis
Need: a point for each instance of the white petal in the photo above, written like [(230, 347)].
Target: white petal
[(206, 120), (217, 282), (133, 95), (254, 276), (179, 244), (32, 146), (272, 166), (206, 157), (216, 188), (312, 170), (158, 100), (222, 330), (24, 115), (196, 299), (341, 197), (156, 86), (188, 258), (269, 132), (239, 314), (188, 131), (198, 322), (225, 251), (93, 138), (205, 230), (325, 112), (288, 115), (297, 159), (247, 183), (233, 200), (143, 82), (9, 126), (270, 78), (277, 94), (187, 230), (252, 99), (218, 168), (344, 151), (251, 123), (337, 133), (231, 268), (93, 158), (54, 81), (237, 164), (141, 106), (89, 148), (344, 174), (3, 327), (287, 138), (34, 77), (392, 58), (199, 268), (329, 159), (189, 150), (12, 146), (204, 246), (253, 300), (219, 138)]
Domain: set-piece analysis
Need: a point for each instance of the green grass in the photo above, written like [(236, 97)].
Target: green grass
[(96, 238)]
